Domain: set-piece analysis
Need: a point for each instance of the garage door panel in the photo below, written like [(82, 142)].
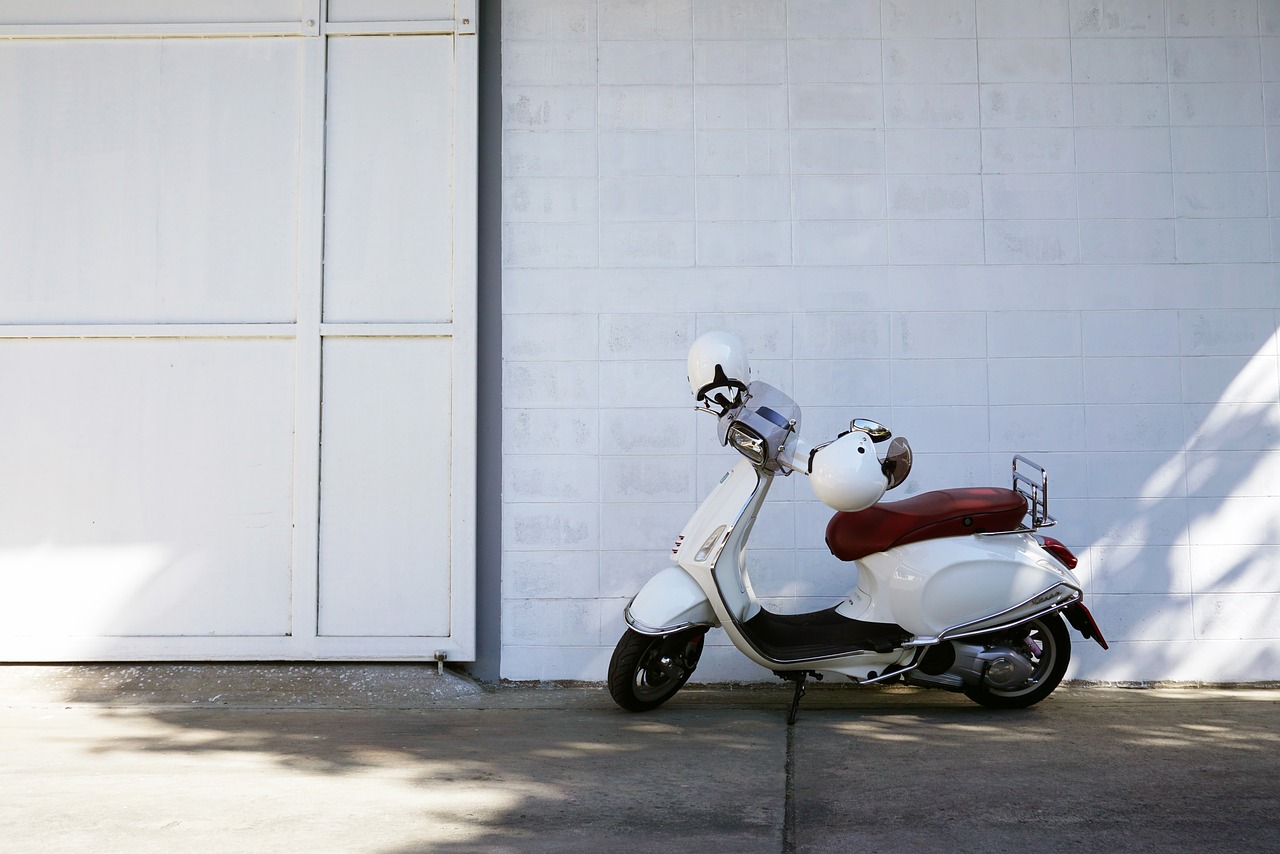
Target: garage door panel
[(80, 12), (229, 144), (389, 180), (390, 10), (77, 196), (130, 166), (148, 487), (237, 329), (385, 487)]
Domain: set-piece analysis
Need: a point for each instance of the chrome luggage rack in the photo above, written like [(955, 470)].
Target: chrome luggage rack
[(1035, 491)]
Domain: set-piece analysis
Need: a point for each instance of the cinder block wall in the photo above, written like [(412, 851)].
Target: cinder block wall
[(1038, 226)]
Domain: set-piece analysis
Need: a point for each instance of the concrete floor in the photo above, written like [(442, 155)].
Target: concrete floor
[(397, 759)]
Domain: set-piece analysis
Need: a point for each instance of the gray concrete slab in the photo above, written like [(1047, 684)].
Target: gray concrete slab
[(149, 759), (1088, 770)]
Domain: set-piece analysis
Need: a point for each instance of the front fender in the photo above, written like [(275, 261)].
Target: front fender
[(669, 602)]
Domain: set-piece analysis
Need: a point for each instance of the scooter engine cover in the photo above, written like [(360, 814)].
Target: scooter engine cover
[(936, 585)]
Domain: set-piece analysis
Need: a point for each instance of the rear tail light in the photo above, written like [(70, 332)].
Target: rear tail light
[(1059, 551)]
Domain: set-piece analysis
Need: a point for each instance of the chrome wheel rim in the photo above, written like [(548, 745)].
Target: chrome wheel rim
[(1036, 642)]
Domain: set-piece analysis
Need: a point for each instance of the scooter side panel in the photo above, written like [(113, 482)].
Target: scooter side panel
[(936, 585), (669, 601), (719, 510), (711, 543)]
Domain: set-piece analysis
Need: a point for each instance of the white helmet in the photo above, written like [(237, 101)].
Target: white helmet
[(845, 473), (717, 360)]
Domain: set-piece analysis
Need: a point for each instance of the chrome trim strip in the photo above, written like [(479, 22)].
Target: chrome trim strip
[(658, 632), (722, 541), (963, 630), (886, 676), (893, 674), (1012, 623), (763, 479), (1022, 530)]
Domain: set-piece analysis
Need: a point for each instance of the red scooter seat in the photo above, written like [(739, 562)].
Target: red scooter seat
[(928, 516)]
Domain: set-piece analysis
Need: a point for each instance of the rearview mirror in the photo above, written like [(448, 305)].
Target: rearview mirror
[(877, 431)]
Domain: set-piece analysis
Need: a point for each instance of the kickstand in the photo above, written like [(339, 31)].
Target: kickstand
[(795, 699)]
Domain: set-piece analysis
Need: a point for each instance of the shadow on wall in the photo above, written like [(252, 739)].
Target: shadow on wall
[(1184, 546)]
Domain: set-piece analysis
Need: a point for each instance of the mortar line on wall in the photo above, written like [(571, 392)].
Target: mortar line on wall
[(599, 172), (599, 325), (1186, 444), (1182, 357), (1075, 151), (599, 454), (884, 159), (1173, 171), (1275, 316), (982, 174), (982, 190), (693, 135), (1266, 137), (791, 172)]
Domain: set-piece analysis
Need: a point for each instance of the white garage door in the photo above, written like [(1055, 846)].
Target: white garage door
[(237, 329)]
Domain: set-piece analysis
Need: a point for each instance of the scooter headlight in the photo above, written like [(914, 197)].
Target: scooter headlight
[(747, 442)]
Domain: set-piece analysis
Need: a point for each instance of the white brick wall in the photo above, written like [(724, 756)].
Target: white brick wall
[(1044, 226)]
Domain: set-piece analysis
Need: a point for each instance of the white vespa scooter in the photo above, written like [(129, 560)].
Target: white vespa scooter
[(955, 589)]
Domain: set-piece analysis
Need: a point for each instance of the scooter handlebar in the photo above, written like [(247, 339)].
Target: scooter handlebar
[(796, 454)]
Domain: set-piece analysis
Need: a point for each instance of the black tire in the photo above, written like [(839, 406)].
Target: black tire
[(1049, 636), (646, 671)]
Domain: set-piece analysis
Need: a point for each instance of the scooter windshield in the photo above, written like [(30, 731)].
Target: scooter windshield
[(759, 427), (774, 405)]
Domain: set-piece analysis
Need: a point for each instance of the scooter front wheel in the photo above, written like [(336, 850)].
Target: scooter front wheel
[(646, 671), (1046, 643)]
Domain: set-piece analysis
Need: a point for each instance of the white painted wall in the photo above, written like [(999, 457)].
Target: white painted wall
[(1041, 226)]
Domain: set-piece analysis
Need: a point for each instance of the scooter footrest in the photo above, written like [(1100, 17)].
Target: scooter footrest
[(819, 634)]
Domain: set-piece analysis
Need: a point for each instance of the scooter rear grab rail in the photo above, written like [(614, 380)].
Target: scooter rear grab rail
[(1036, 492), (1038, 496)]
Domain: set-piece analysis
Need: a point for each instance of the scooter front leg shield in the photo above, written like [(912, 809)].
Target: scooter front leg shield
[(669, 602)]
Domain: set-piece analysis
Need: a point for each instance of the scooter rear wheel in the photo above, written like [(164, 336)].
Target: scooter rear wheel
[(1046, 642), (646, 671)]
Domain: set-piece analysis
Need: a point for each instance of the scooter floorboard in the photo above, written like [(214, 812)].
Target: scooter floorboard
[(818, 634)]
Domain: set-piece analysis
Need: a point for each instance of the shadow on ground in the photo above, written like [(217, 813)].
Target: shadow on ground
[(525, 769)]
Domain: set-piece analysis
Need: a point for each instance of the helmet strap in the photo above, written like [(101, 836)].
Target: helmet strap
[(720, 380)]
